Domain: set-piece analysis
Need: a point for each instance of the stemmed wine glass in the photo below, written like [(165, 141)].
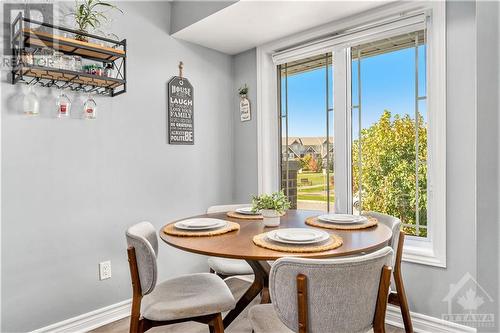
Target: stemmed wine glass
[(31, 105)]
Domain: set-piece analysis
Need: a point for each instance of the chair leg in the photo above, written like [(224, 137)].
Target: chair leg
[(403, 302), (380, 309), (265, 298), (398, 280), (216, 325), (135, 325), (139, 325)]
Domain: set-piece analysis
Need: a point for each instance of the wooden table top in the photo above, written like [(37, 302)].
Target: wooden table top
[(239, 244)]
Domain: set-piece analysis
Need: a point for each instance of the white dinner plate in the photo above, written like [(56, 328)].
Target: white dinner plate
[(298, 236), (342, 218), (200, 224), (246, 211)]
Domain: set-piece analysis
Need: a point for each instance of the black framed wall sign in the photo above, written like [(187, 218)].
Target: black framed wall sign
[(180, 111)]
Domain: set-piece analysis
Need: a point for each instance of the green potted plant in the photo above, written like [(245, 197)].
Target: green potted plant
[(243, 91), (271, 206), (87, 15)]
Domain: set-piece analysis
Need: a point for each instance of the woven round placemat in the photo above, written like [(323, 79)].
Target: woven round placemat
[(237, 215), (173, 231), (332, 243), (313, 221)]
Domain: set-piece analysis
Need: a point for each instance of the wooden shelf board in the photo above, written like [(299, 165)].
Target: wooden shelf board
[(75, 77), (71, 45)]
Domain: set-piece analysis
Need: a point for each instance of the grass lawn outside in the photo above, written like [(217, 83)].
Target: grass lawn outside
[(314, 197), (312, 189), (316, 178), (315, 190)]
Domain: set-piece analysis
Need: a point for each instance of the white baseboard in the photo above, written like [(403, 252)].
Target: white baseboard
[(100, 317), (425, 324), (89, 321)]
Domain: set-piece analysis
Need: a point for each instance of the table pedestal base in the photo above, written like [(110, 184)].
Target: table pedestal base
[(260, 286)]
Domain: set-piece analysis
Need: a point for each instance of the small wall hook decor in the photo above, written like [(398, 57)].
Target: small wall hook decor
[(181, 67)]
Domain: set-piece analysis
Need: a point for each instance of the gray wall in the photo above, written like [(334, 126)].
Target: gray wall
[(245, 133), (185, 13), (488, 154), (71, 187)]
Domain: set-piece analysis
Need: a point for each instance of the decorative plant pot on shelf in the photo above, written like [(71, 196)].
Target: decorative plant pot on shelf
[(81, 37), (271, 217)]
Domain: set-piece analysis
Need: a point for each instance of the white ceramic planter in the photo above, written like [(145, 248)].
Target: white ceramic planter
[(271, 217)]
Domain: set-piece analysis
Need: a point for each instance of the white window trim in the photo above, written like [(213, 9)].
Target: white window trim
[(429, 251)]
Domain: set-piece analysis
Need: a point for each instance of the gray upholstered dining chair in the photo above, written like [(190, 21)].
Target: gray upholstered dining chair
[(326, 295), (225, 267), (397, 294), (198, 297)]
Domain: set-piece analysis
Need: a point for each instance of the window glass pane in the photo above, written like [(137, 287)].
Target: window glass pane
[(307, 95), (389, 135)]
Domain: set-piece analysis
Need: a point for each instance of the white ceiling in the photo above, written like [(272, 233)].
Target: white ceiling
[(248, 23)]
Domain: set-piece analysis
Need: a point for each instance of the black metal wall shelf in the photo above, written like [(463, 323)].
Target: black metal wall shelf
[(104, 50)]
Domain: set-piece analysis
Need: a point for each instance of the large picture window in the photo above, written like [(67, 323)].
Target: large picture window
[(388, 148)]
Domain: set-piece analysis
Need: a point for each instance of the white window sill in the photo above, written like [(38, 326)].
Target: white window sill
[(422, 251)]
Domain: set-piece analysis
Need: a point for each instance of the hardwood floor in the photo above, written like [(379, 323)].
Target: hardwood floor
[(239, 325), (121, 326)]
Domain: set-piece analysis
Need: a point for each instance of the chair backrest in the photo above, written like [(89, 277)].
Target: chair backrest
[(393, 223), (225, 208), (341, 293), (142, 237)]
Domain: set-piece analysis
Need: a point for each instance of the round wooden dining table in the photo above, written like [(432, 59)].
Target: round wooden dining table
[(239, 245)]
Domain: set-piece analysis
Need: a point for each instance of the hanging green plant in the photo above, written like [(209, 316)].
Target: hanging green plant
[(243, 90), (87, 15)]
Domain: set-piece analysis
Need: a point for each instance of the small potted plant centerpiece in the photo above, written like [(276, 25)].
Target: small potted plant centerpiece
[(271, 206)]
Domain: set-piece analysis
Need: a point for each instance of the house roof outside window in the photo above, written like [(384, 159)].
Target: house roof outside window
[(308, 145)]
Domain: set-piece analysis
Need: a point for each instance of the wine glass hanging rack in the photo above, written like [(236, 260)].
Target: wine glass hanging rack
[(28, 34)]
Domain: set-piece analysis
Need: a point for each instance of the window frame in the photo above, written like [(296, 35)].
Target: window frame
[(430, 250)]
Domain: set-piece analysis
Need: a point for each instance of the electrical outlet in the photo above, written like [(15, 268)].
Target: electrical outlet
[(105, 270)]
